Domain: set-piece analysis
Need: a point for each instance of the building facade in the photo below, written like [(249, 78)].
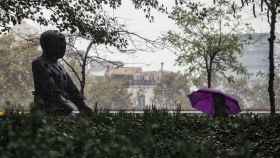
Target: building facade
[(256, 52), (140, 84)]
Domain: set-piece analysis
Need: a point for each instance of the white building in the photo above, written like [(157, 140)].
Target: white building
[(141, 84), (142, 88)]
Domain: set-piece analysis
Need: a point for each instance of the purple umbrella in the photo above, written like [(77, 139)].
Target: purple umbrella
[(205, 100)]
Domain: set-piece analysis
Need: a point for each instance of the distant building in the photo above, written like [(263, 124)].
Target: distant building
[(123, 73), (140, 83), (255, 54), (26, 34), (256, 59), (142, 88)]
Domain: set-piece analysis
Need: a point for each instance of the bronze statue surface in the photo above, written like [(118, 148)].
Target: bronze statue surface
[(55, 91)]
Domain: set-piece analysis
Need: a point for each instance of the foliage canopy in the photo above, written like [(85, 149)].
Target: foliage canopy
[(209, 40)]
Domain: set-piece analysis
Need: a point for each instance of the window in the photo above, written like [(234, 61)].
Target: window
[(141, 101)]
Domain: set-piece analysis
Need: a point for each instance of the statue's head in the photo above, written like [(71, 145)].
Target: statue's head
[(53, 44)]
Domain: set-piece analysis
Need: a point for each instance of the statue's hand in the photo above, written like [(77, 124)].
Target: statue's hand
[(85, 110)]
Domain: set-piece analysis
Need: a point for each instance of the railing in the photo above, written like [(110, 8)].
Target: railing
[(191, 111), (142, 82), (243, 111)]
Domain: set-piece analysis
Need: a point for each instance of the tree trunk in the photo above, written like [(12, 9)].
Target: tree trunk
[(209, 79), (271, 61), (209, 75), (83, 82), (84, 64), (83, 73)]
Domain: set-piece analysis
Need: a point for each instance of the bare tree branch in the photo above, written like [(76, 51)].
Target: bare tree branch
[(72, 69)]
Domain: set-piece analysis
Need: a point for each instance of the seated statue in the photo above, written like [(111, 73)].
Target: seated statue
[(55, 92)]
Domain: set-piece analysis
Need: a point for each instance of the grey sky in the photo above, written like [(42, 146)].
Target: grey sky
[(135, 21)]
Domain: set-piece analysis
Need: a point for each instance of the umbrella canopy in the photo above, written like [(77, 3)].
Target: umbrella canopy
[(205, 100)]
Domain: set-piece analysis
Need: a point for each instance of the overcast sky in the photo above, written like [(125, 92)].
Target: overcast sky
[(135, 21)]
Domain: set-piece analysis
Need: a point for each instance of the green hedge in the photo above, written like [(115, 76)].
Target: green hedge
[(148, 135)]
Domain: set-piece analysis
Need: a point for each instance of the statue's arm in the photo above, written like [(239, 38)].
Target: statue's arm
[(76, 97)]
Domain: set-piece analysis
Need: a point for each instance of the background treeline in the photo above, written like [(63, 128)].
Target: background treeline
[(17, 84)]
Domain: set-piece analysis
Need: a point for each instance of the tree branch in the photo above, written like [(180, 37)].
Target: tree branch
[(72, 69)]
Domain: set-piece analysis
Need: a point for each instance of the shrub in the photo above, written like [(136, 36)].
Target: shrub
[(149, 135)]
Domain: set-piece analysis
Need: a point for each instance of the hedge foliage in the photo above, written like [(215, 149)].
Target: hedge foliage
[(149, 135)]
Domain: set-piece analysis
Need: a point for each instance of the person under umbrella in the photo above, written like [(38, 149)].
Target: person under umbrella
[(214, 103), (219, 104)]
